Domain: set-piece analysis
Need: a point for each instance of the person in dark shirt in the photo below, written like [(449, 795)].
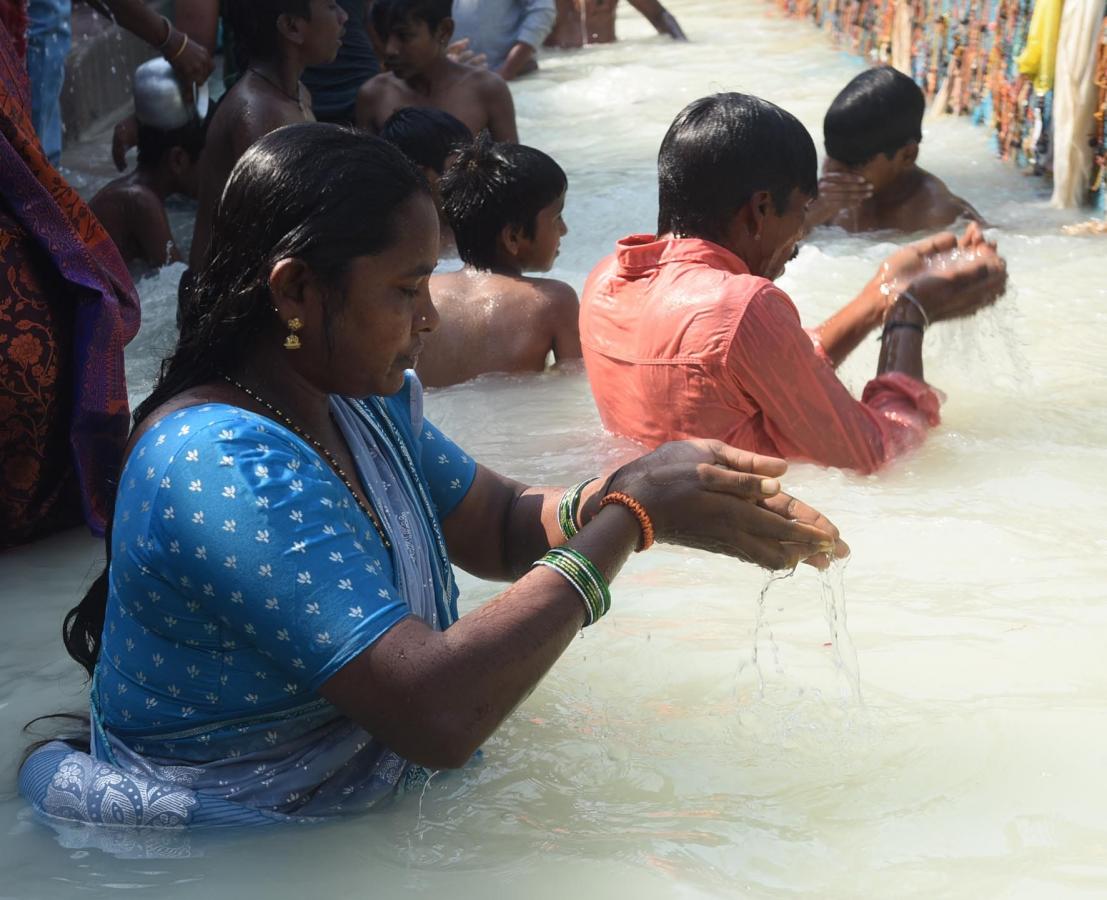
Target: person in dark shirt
[(334, 86)]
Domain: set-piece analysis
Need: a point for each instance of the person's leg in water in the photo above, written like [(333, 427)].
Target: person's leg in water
[(49, 36)]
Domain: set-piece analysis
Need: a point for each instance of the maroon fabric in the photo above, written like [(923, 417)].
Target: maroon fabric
[(67, 308), (13, 17)]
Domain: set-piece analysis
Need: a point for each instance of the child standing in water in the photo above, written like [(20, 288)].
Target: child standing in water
[(871, 177), (504, 202), (581, 22), (431, 139), (170, 138), (279, 39), (416, 35)]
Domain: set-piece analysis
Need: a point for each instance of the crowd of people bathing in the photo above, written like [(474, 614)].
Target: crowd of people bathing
[(277, 616)]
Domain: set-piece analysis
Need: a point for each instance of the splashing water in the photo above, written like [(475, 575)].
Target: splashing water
[(832, 588)]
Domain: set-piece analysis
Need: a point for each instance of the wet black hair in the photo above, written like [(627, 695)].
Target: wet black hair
[(254, 26), (879, 111), (493, 186), (425, 135), (322, 194), (719, 151), (387, 14), (155, 143)]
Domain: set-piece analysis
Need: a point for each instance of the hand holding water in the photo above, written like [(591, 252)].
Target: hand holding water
[(963, 285), (712, 496)]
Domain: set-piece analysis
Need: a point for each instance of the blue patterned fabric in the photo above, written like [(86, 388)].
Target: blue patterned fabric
[(243, 576)]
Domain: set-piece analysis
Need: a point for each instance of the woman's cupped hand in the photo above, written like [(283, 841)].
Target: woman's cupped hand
[(709, 495)]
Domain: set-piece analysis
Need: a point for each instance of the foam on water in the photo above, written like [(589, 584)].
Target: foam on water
[(974, 768)]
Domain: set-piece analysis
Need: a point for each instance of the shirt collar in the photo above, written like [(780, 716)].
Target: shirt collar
[(639, 253)]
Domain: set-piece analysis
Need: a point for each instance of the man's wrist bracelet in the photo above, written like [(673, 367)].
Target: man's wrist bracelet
[(914, 301), (914, 326)]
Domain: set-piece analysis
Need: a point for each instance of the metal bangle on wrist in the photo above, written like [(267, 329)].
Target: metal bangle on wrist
[(914, 301)]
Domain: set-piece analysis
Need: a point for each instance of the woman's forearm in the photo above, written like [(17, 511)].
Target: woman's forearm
[(140, 20), (199, 19), (456, 687)]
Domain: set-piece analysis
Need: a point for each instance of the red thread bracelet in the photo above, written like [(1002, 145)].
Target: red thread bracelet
[(639, 511)]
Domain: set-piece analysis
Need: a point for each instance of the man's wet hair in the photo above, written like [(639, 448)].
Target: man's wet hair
[(719, 152), (388, 14), (879, 111), (494, 186), (427, 136), (155, 143), (254, 25)]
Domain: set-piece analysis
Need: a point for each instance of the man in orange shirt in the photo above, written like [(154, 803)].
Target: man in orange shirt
[(685, 334)]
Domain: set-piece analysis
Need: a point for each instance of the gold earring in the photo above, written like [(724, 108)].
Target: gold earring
[(292, 342)]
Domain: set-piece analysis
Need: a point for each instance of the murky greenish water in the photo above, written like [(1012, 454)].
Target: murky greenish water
[(956, 747)]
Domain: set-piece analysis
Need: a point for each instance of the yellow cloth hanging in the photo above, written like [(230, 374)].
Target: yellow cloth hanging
[(1039, 58)]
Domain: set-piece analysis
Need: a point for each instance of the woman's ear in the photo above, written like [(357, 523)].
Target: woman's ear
[(289, 281)]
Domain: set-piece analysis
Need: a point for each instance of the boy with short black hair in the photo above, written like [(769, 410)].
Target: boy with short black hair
[(170, 139), (279, 39), (426, 136), (871, 177), (415, 35), (430, 138), (504, 202)]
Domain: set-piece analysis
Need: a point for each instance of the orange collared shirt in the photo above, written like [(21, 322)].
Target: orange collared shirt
[(681, 341)]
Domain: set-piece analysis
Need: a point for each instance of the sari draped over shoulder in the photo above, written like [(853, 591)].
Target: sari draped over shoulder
[(205, 708), (67, 309)]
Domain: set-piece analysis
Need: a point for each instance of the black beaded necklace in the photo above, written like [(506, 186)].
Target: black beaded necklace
[(338, 470)]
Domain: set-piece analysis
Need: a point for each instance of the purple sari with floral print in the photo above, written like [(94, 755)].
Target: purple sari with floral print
[(67, 308)]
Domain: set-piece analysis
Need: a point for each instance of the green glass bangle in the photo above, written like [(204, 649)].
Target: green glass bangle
[(586, 579), (568, 509), (600, 589)]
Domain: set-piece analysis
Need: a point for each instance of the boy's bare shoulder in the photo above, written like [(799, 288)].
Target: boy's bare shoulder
[(245, 115), (486, 82), (555, 294), (379, 85), (941, 204), (127, 193)]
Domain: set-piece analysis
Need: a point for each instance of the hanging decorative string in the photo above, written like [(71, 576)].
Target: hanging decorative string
[(962, 53), (1098, 136)]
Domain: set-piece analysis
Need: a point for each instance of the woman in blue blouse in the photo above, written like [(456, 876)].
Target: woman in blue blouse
[(276, 634)]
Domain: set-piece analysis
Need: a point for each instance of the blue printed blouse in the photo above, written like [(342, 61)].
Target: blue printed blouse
[(243, 573)]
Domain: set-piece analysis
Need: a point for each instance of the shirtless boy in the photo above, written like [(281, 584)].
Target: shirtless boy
[(280, 39), (170, 138), (415, 35), (504, 202), (871, 177), (582, 22)]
